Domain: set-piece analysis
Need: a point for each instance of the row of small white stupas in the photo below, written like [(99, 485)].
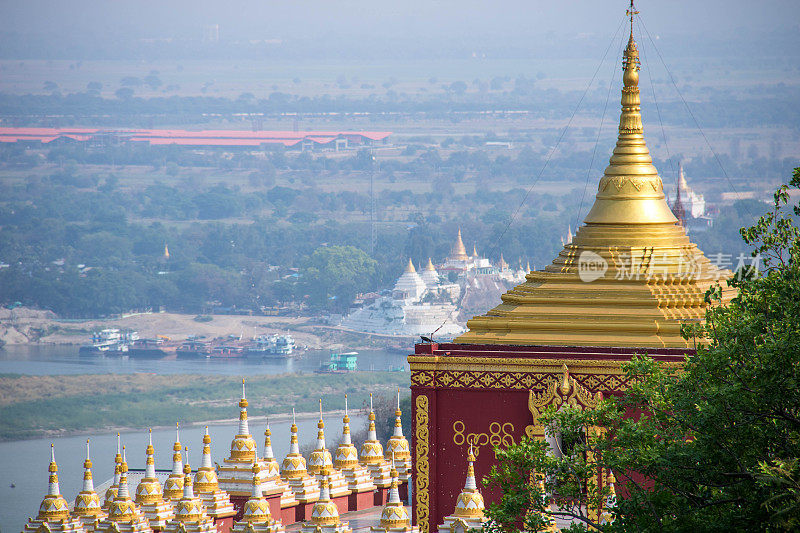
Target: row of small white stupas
[(252, 494)]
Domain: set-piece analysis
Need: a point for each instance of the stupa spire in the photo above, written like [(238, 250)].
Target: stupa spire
[(173, 486), (268, 453), (88, 482), (188, 483), (459, 252), (123, 493), (410, 267), (630, 191), (244, 428)]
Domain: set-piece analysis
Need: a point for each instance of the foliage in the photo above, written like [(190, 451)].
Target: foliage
[(333, 274), (718, 444)]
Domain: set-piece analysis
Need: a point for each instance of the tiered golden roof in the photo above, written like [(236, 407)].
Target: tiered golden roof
[(87, 503), (630, 275), (149, 494)]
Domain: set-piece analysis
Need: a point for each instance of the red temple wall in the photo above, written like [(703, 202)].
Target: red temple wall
[(480, 394)]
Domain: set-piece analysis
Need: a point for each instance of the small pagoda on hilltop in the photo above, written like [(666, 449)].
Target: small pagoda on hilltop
[(624, 285)]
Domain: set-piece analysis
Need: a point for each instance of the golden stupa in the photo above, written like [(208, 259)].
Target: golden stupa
[(629, 277)]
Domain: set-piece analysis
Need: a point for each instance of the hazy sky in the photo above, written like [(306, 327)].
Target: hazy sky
[(407, 19)]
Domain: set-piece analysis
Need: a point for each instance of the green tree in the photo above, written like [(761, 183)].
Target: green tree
[(332, 275), (718, 446)]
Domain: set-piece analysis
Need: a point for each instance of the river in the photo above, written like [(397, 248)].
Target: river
[(64, 359), (24, 463)]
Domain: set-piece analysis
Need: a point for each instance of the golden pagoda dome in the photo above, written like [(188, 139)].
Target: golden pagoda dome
[(190, 513), (470, 502), (189, 508), (324, 512), (294, 464), (216, 501), (394, 513), (173, 486), (397, 445), (458, 252), (54, 506), (111, 492), (205, 480), (371, 450), (410, 267), (149, 489), (87, 502), (123, 508), (474, 252), (256, 509), (346, 452), (149, 494), (630, 277), (429, 267), (243, 446), (320, 459)]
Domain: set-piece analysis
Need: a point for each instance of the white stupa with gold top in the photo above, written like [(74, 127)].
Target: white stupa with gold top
[(173, 486), (295, 473), (235, 472), (320, 464), (469, 513), (54, 512), (371, 455), (271, 481), (190, 513), (111, 492), (397, 447), (346, 460), (216, 501), (394, 516), (325, 514), (87, 503), (150, 495), (124, 516), (256, 517)]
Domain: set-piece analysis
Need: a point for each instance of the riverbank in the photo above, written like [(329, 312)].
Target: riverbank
[(24, 326), (39, 406)]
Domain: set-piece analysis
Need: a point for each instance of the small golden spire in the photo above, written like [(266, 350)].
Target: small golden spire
[(630, 192), (410, 267)]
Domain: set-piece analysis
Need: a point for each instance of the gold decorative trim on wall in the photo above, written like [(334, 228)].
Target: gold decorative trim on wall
[(421, 477)]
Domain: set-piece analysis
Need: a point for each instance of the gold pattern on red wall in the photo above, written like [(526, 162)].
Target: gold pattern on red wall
[(421, 476)]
